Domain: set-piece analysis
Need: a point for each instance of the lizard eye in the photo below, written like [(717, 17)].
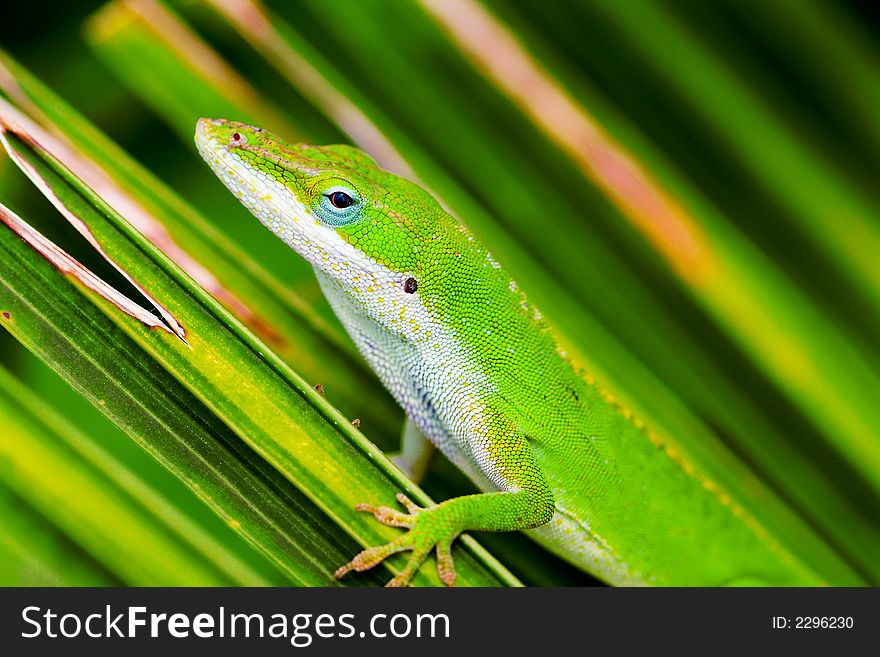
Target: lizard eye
[(340, 200), (339, 205)]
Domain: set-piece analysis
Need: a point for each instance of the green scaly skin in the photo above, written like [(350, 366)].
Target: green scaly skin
[(478, 371)]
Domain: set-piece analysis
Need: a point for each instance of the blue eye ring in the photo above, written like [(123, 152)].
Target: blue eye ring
[(339, 205)]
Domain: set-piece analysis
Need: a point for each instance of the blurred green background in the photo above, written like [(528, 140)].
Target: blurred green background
[(745, 325)]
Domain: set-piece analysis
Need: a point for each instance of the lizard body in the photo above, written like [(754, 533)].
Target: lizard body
[(478, 371)]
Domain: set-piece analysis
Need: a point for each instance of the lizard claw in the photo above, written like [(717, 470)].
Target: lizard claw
[(427, 529), (411, 506)]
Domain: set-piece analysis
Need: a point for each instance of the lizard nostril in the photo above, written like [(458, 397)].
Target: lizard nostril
[(410, 285)]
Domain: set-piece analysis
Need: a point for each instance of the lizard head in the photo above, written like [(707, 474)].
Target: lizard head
[(382, 239)]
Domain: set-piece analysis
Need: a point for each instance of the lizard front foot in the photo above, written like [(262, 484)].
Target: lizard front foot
[(427, 528)]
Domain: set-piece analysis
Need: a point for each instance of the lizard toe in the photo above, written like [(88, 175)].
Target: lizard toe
[(427, 528)]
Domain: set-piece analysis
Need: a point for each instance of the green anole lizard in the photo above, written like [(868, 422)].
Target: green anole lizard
[(479, 374)]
